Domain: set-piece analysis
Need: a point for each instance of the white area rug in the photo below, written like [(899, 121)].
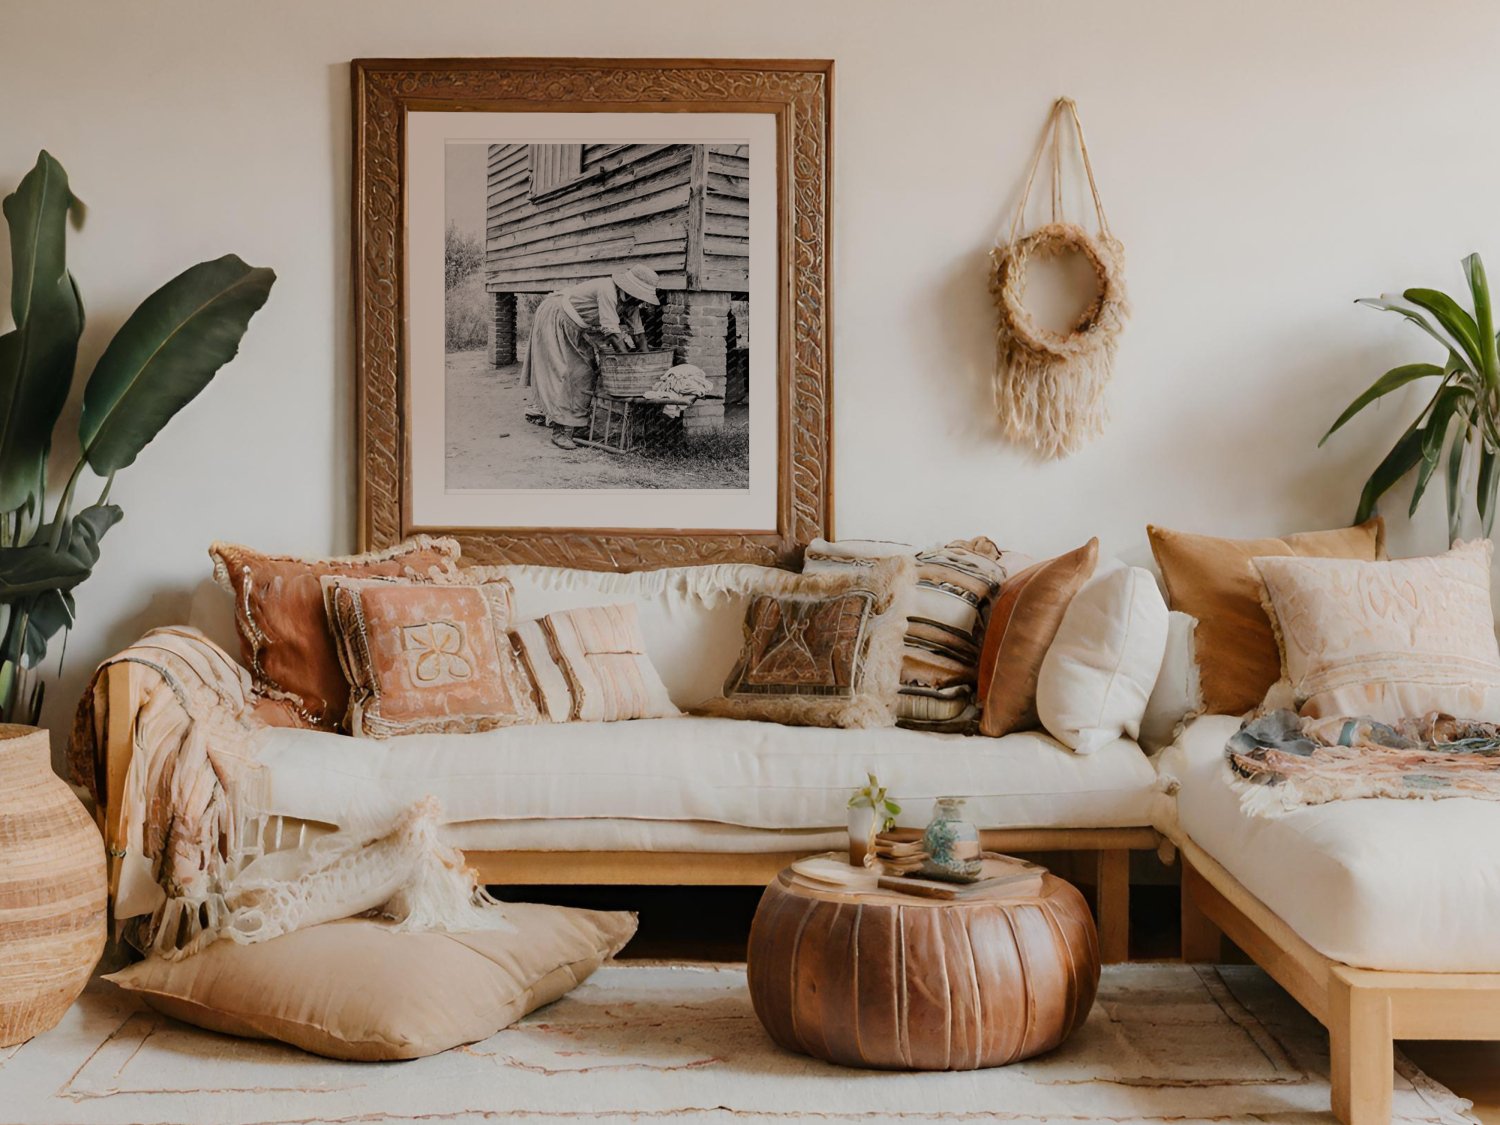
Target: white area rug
[(646, 1042)]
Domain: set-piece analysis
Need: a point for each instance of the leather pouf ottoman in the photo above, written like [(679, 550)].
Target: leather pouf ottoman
[(889, 980)]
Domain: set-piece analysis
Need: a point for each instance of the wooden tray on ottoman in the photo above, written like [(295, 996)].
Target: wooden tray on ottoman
[(882, 979)]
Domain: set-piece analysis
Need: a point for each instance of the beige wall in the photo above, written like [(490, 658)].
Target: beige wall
[(1264, 164)]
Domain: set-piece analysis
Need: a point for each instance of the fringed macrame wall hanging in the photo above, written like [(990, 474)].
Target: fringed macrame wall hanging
[(1049, 386)]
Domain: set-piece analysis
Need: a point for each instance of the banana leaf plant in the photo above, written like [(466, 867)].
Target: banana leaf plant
[(164, 354), (1457, 427)]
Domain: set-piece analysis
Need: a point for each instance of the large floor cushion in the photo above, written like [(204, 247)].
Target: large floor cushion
[(729, 771), (1379, 884)]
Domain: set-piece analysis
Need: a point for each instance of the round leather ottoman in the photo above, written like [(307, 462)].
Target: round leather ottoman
[(883, 979)]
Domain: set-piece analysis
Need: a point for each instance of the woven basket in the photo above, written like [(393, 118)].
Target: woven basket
[(631, 374), (52, 889)]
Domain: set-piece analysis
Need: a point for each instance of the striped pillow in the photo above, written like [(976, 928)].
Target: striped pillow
[(956, 583), (590, 665)]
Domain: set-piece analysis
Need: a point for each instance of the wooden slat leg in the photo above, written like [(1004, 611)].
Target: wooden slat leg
[(1202, 941), (1361, 1052), (1112, 886)]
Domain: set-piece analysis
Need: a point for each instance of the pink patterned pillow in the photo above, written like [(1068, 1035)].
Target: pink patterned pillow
[(590, 665)]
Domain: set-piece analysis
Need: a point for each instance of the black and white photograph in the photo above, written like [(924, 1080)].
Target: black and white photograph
[(596, 313)]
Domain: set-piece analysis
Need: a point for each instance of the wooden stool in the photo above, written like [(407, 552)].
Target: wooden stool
[(888, 980)]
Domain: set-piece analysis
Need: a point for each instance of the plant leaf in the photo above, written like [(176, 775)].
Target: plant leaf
[(1454, 319), (1484, 316), (1445, 404), (1392, 380), (37, 356), (1488, 480), (1402, 458), (1455, 475), (168, 351), (1392, 302), (35, 568)]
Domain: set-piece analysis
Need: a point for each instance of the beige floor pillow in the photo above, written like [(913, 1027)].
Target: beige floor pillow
[(356, 990)]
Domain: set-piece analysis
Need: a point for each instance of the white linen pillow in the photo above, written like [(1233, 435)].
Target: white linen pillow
[(1388, 640), (1178, 694), (1100, 669)]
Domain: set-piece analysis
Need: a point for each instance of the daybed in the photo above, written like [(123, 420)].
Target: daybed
[(672, 801), (1378, 915)]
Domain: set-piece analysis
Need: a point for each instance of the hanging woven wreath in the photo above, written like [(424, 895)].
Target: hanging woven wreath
[(1049, 386)]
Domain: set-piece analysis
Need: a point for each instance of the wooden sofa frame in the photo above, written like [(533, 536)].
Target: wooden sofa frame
[(1364, 1010), (1111, 846)]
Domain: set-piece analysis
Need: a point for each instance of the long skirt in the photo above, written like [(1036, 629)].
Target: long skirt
[(560, 364)]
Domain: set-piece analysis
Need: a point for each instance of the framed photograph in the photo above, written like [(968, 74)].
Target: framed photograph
[(592, 307)]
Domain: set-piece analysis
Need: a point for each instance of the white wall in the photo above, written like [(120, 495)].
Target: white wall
[(1264, 164)]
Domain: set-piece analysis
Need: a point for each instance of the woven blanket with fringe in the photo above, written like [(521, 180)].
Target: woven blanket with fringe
[(1281, 761), (191, 842)]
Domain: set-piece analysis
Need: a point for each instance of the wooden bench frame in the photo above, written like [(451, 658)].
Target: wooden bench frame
[(1364, 1010), (1111, 846)]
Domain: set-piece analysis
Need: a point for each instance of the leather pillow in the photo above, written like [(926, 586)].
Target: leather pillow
[(1025, 619), (357, 990), (1215, 581), (285, 640)]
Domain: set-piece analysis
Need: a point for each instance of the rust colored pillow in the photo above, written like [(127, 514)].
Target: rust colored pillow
[(1023, 623), (427, 657), (1215, 581), (284, 635)]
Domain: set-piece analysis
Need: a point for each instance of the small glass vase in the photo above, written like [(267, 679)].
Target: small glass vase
[(951, 843)]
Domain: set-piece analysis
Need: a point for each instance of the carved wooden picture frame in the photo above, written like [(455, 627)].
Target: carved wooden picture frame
[(388, 97)]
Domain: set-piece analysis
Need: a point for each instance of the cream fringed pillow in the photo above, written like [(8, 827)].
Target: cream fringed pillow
[(356, 990), (590, 665), (427, 657), (1388, 640), (823, 650)]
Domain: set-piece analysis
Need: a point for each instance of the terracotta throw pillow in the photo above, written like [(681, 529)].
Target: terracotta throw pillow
[(427, 657), (590, 665), (1215, 581), (1388, 640), (357, 990), (1026, 617), (285, 640), (823, 649)]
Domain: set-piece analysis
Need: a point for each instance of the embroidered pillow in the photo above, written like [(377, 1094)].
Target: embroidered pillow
[(590, 665), (956, 584), (823, 649), (1387, 640), (284, 635), (1214, 580), (1026, 617), (423, 657)]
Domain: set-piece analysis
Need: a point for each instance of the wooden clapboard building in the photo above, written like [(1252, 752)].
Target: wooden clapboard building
[(559, 214)]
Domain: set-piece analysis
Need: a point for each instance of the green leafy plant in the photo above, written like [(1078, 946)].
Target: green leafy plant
[(873, 796), (164, 354), (1457, 427)]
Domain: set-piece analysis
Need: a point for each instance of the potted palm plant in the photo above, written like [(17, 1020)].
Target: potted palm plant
[(1457, 427), (163, 355)]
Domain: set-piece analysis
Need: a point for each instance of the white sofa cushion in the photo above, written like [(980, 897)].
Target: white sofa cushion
[(1101, 665), (691, 617), (731, 771), (1378, 884)]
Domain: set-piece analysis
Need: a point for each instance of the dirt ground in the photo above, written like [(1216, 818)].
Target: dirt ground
[(491, 445)]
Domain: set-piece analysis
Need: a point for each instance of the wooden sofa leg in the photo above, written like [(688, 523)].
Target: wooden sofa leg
[(1361, 1052), (1202, 941), (1112, 886)]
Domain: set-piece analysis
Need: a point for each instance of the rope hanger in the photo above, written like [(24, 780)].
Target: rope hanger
[(1049, 386)]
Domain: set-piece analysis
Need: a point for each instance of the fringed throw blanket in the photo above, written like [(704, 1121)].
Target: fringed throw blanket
[(1281, 761), (191, 842)]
